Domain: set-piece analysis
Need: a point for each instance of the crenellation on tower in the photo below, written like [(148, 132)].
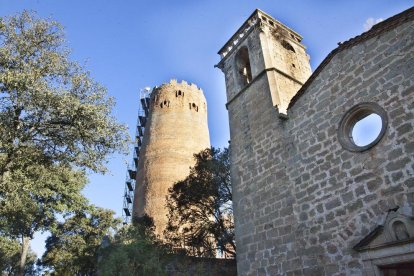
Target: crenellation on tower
[(179, 95), (183, 83)]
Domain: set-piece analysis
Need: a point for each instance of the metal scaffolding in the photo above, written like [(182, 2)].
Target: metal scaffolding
[(130, 182)]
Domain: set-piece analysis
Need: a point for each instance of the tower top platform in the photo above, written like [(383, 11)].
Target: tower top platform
[(257, 18)]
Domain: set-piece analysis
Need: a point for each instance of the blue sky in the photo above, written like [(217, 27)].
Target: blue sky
[(128, 45)]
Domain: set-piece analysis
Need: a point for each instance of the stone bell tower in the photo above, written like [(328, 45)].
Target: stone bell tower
[(264, 65), (264, 55)]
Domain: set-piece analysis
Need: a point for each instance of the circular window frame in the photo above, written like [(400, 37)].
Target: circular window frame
[(352, 116)]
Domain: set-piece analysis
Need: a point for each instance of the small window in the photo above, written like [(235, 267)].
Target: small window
[(243, 67), (287, 46), (366, 130), (165, 103), (362, 127), (194, 106)]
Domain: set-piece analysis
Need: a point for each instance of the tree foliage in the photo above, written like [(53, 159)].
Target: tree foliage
[(51, 110), (200, 207), (73, 247), (40, 192), (55, 122), (35, 196), (135, 250), (10, 257)]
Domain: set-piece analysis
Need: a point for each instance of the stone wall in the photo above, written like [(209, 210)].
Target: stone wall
[(302, 201), (194, 266), (176, 129)]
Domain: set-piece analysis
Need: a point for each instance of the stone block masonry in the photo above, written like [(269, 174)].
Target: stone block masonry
[(302, 201)]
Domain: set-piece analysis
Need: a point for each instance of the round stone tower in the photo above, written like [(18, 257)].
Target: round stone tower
[(176, 129)]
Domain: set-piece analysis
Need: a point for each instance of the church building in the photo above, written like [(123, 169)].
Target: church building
[(309, 197)]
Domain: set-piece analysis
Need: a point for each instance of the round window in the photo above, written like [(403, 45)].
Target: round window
[(362, 127)]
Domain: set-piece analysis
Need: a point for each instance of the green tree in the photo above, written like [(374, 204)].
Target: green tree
[(73, 247), (50, 106), (200, 218), (55, 122), (10, 256), (40, 192), (135, 250)]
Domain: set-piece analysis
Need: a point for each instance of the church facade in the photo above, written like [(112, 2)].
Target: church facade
[(308, 199)]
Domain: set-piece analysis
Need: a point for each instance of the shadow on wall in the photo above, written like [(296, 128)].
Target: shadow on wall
[(193, 266)]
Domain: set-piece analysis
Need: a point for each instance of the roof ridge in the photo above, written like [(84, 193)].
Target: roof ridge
[(377, 29)]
